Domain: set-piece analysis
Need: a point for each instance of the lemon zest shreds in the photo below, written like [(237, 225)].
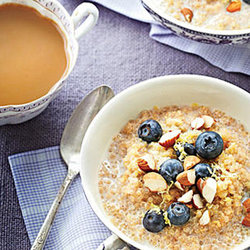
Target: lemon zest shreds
[(167, 221), (155, 208)]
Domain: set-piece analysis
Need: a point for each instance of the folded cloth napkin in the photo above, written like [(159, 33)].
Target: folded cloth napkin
[(230, 58), (38, 176)]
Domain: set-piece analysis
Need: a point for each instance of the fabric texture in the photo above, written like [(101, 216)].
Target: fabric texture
[(38, 176), (230, 58)]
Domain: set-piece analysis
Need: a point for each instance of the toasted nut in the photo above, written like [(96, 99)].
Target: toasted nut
[(168, 139), (154, 182), (188, 14), (197, 123), (146, 163), (246, 220), (186, 178), (190, 161), (246, 205), (197, 201), (190, 205), (187, 197), (199, 184), (209, 187), (234, 6), (209, 121), (179, 186), (205, 218)]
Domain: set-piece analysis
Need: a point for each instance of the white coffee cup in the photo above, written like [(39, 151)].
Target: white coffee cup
[(73, 29)]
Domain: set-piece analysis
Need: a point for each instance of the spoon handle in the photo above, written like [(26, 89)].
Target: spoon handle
[(44, 231)]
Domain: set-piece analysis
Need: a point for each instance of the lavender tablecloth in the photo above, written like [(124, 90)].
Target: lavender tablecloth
[(118, 52)]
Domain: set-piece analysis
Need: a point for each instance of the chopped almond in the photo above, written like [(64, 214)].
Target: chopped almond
[(205, 218), (234, 6), (186, 178), (187, 197), (197, 201), (246, 220), (246, 205), (209, 187), (188, 14), (199, 185), (190, 161), (154, 182), (179, 186), (208, 121), (197, 123), (168, 139), (147, 163)]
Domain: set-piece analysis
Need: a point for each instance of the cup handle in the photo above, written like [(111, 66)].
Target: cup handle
[(84, 10)]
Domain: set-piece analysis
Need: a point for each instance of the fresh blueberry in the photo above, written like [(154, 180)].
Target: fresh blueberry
[(203, 170), (178, 213), (189, 149), (169, 169), (209, 145), (154, 220), (150, 130), (246, 1), (178, 153)]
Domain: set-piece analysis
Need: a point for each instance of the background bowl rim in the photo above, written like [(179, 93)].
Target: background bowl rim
[(150, 5)]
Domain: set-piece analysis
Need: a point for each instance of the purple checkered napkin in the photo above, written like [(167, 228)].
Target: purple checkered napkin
[(234, 58), (38, 176)]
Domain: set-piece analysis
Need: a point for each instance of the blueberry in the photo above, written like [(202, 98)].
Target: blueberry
[(246, 1), (178, 153), (209, 145), (178, 213), (154, 220), (203, 170), (150, 130), (169, 169), (189, 149)]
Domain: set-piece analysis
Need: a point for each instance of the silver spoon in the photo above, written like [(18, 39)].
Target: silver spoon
[(70, 147)]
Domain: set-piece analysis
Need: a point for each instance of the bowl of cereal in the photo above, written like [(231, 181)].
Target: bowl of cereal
[(165, 164), (208, 21)]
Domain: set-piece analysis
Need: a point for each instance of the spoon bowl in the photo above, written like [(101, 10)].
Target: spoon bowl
[(70, 148)]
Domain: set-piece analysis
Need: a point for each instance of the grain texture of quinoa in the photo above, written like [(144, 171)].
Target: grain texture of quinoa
[(125, 199)]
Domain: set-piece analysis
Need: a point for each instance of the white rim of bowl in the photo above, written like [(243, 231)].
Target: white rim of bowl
[(128, 91), (194, 28)]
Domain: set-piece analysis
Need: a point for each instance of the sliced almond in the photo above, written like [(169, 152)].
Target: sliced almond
[(205, 218), (234, 6), (187, 197), (179, 186), (197, 123), (209, 187), (168, 139), (246, 205), (246, 220), (154, 182), (197, 201), (190, 161), (188, 14), (209, 121), (147, 163), (199, 184), (186, 178)]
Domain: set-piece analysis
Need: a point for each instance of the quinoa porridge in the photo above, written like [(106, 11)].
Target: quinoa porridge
[(160, 185), (211, 14)]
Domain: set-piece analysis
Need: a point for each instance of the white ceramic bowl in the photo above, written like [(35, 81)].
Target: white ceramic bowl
[(196, 33), (162, 91), (73, 30)]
